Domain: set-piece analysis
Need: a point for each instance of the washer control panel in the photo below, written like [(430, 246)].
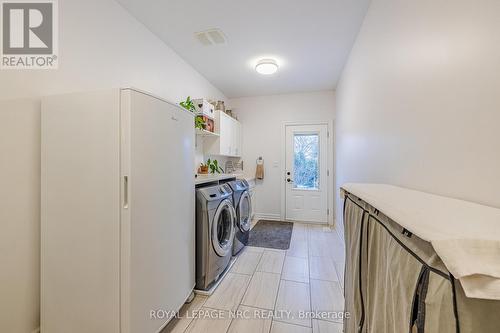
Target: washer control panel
[(216, 192)]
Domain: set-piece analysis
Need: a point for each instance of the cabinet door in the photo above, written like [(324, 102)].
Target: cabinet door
[(234, 130), (237, 138), (225, 132)]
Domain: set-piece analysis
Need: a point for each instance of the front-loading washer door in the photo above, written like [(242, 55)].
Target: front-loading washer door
[(244, 209), (223, 228)]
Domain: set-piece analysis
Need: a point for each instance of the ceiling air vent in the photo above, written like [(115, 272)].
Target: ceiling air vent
[(210, 37)]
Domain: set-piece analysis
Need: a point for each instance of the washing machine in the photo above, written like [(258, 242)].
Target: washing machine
[(215, 219), (243, 206)]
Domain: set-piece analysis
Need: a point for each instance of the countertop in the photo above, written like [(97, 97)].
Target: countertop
[(201, 179), (245, 177)]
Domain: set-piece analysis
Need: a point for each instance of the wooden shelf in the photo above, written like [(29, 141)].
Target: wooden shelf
[(202, 132)]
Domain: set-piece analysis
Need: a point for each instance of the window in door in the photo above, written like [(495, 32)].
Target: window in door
[(306, 161)]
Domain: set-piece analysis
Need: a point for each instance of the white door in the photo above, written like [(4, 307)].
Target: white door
[(306, 173)]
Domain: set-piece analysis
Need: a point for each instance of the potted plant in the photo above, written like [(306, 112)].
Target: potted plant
[(200, 122), (203, 169), (214, 166)]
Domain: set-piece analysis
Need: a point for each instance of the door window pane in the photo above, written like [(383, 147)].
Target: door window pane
[(306, 161)]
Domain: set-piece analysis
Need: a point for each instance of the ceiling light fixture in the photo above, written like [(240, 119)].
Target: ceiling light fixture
[(266, 66)]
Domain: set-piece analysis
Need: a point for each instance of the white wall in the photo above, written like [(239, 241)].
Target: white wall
[(202, 157), (262, 119), (418, 103), (19, 215), (101, 46)]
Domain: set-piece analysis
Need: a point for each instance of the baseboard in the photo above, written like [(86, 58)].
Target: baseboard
[(36, 330), (271, 217)]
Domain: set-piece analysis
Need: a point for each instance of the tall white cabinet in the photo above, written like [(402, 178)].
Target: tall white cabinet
[(117, 211), (228, 143)]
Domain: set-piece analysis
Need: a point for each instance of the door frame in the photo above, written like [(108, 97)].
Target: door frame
[(330, 167)]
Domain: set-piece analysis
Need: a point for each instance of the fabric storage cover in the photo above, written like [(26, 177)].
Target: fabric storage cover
[(352, 286), (395, 282)]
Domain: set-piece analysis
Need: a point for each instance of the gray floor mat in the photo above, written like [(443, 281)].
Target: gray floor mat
[(271, 234)]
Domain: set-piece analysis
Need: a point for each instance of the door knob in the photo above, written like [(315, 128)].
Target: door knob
[(289, 180)]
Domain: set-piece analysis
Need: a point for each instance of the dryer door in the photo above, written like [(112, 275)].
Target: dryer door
[(223, 228), (244, 211)]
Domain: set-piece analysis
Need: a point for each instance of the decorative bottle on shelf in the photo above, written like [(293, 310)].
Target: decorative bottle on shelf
[(220, 106)]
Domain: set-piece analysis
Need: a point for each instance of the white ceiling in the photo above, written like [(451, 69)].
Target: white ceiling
[(311, 39)]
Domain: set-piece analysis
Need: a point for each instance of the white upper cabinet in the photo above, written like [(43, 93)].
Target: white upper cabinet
[(236, 137), (225, 130), (228, 143)]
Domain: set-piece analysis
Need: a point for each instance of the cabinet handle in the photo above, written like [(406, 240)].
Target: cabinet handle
[(125, 192)]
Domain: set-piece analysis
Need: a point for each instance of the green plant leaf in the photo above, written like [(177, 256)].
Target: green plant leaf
[(199, 122), (188, 104), (214, 167)]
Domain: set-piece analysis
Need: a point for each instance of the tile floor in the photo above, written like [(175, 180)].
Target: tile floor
[(262, 282)]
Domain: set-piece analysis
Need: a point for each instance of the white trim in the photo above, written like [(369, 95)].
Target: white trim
[(326, 224), (271, 217), (331, 175), (330, 166)]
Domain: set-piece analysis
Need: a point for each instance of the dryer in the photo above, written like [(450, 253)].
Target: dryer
[(243, 207), (215, 219)]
